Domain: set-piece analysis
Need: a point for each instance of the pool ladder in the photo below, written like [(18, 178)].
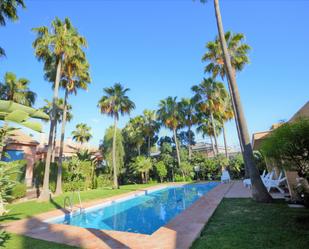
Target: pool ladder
[(70, 201)]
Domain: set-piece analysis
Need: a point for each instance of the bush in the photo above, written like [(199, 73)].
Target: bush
[(38, 174), (18, 191), (161, 170), (236, 166), (19, 170), (104, 180), (289, 146)]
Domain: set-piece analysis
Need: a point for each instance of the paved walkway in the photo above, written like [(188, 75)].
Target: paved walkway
[(179, 233), (237, 190)]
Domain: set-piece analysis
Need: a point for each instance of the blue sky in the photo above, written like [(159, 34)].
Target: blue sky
[(155, 49)]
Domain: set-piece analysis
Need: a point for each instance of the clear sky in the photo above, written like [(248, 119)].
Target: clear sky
[(155, 49)]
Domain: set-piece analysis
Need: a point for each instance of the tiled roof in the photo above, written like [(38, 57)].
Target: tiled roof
[(17, 136)]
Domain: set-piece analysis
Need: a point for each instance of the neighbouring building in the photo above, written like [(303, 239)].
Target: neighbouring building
[(21, 146), (207, 150)]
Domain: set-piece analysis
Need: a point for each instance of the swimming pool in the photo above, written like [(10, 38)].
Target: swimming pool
[(138, 214)]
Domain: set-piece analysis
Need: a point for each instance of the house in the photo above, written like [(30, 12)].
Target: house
[(22, 146), (207, 149), (259, 137)]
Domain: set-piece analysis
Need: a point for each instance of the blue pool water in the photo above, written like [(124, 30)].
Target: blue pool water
[(142, 214)]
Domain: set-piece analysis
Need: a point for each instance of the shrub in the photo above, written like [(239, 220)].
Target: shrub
[(186, 170), (161, 170), (6, 185), (289, 146), (18, 191), (236, 166), (38, 174), (19, 170), (104, 180)]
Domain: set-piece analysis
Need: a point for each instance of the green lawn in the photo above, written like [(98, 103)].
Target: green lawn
[(244, 224), (30, 208)]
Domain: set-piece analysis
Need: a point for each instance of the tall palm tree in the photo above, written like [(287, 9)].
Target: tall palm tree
[(82, 134), (238, 51), (189, 118), (114, 103), (16, 90), (8, 10), (151, 126), (47, 108), (75, 76), (53, 46), (169, 114), (259, 191), (210, 94)]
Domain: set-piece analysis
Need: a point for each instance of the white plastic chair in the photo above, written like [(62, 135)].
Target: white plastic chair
[(225, 177), (271, 183), (264, 177)]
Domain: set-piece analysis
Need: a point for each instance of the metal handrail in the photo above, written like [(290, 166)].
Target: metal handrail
[(71, 200)]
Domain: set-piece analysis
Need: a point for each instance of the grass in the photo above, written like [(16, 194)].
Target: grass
[(243, 224), (27, 209)]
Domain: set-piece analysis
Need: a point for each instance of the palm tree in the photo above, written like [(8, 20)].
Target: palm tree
[(82, 134), (47, 108), (114, 103), (206, 128), (225, 115), (142, 165), (151, 126), (210, 94), (8, 9), (134, 131), (238, 51), (16, 90), (189, 118), (53, 46), (169, 114), (75, 76), (259, 191)]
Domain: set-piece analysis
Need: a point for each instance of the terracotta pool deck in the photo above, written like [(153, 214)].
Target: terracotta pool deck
[(179, 233)]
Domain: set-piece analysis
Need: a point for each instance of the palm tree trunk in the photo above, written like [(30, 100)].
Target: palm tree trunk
[(259, 191), (214, 131), (139, 150), (237, 126), (63, 124), (212, 145), (149, 147), (45, 194), (177, 149), (189, 146), (114, 154), (225, 143), (54, 142)]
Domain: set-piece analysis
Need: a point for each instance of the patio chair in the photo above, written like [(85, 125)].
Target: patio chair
[(225, 177), (264, 177), (275, 183)]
